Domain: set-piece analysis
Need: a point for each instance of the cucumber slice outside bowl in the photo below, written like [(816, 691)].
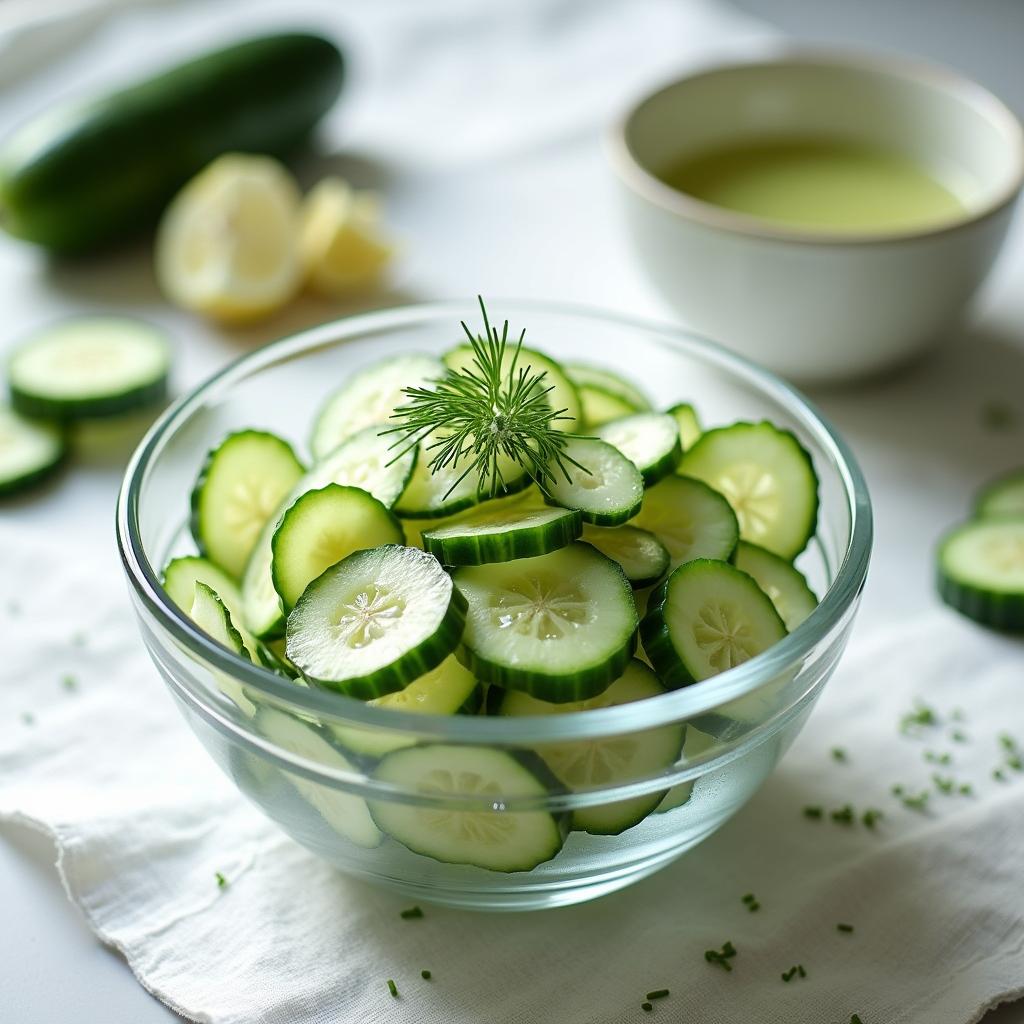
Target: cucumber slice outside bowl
[(1003, 496), (768, 478), (708, 616), (30, 451), (89, 366), (560, 626), (617, 760), (376, 621)]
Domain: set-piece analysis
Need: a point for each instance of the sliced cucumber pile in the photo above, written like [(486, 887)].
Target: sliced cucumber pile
[(30, 450), (373, 575), (768, 478), (590, 764), (89, 366)]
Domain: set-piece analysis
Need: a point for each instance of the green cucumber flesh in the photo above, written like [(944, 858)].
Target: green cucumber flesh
[(519, 535), (30, 450), (376, 621), (491, 838), (601, 406), (345, 813), (490, 510), (89, 366), (642, 556), (560, 626), (90, 172), (696, 744), (448, 689), (768, 478), (688, 423), (981, 571), (238, 491), (562, 396), (320, 529), (1002, 497), (612, 383), (370, 396), (690, 519), (213, 617), (780, 580), (607, 491), (607, 761), (364, 460), (650, 440), (707, 617)]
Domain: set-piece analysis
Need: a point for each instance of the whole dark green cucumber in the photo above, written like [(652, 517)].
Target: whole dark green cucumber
[(85, 175)]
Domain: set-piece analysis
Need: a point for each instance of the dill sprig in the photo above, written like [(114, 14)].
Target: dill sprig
[(491, 412)]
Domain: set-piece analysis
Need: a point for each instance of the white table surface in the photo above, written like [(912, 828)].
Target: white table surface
[(919, 433)]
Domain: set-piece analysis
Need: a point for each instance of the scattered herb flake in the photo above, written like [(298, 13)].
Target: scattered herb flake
[(957, 736), (658, 993), (813, 812), (966, 789), (222, 882), (855, 1019), (871, 817), (997, 416), (843, 815), (943, 783), (920, 718), (932, 757), (997, 774), (28, 718), (1015, 763), (392, 988), (897, 790), (1007, 742), (69, 682), (425, 975), (751, 902), (721, 957), (411, 913), (918, 802), (801, 971), (646, 1007), (838, 754), (844, 927)]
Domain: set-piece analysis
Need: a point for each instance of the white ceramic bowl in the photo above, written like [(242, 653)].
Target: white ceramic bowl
[(818, 306)]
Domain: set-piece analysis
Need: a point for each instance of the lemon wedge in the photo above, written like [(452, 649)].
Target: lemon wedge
[(341, 247), (227, 246)]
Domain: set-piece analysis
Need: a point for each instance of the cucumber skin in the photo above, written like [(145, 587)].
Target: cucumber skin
[(1002, 611), (81, 177), (35, 477), (506, 548)]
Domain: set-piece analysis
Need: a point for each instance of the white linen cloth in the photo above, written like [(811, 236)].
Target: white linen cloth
[(142, 818), (143, 821)]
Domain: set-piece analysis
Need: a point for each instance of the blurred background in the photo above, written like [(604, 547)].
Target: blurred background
[(477, 126)]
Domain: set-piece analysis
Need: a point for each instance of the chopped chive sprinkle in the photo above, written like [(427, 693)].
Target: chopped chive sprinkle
[(751, 902), (392, 988), (918, 802), (1007, 742), (897, 790), (646, 1007), (801, 971), (411, 913), (425, 975), (838, 754), (796, 969), (871, 817), (943, 784), (844, 927), (28, 718), (843, 815), (855, 1019), (659, 993), (69, 682), (966, 789), (932, 758), (997, 774), (813, 812), (957, 736), (222, 882), (921, 717), (721, 957)]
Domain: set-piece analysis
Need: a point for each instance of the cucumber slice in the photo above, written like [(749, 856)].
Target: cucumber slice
[(30, 450), (601, 406), (448, 689), (433, 495), (274, 657), (520, 535), (370, 396), (211, 615), (586, 375), (643, 558), (981, 571), (239, 489), (493, 839), (561, 626), (321, 529), (609, 493), (690, 519), (376, 621), (780, 580), (562, 397), (345, 813), (89, 366), (585, 764), (491, 510), (688, 423), (768, 478), (650, 440), (364, 461), (1002, 497), (707, 617)]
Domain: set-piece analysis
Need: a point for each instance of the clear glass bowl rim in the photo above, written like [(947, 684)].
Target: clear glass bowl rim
[(675, 705)]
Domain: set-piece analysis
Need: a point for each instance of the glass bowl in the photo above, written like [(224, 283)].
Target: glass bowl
[(306, 757)]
